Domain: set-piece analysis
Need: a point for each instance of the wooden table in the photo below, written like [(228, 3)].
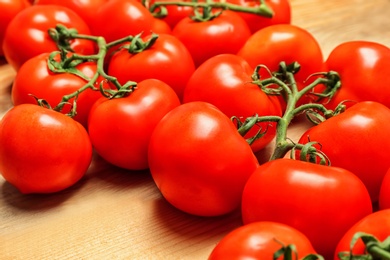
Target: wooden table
[(117, 214)]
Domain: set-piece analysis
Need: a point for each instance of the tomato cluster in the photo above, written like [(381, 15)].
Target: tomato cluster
[(194, 92)]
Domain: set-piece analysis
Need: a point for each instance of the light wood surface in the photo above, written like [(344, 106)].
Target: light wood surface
[(117, 214)]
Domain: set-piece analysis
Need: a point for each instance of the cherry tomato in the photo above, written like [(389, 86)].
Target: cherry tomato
[(224, 81), (384, 192), (9, 9), (167, 60), (126, 17), (376, 224), (120, 128), (280, 8), (284, 42), (42, 151), (35, 78), (198, 160), (86, 9), (226, 33), (364, 68), (31, 25), (322, 202), (260, 240), (354, 140)]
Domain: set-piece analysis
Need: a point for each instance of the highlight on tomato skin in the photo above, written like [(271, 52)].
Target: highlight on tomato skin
[(41, 150), (260, 240)]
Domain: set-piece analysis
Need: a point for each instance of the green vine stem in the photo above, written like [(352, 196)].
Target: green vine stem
[(69, 60), (289, 252), (158, 9), (283, 83), (375, 249)]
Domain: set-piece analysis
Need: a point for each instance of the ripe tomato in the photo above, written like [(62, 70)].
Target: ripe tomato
[(167, 60), (226, 33), (198, 160), (280, 8), (322, 202), (224, 81), (120, 128), (376, 224), (354, 140), (260, 240), (284, 42), (86, 9), (42, 151), (9, 9), (126, 17), (32, 24), (384, 192), (364, 69), (35, 78)]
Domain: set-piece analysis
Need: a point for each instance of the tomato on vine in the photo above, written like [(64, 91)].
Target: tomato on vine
[(32, 25), (41, 150)]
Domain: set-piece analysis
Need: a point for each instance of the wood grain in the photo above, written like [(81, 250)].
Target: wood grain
[(116, 214)]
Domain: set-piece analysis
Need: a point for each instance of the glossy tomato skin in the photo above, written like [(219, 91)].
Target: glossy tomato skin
[(120, 128), (86, 9), (384, 192), (322, 202), (198, 160), (376, 224), (281, 13), (224, 81), (32, 24), (42, 151), (35, 78), (354, 140), (260, 240), (284, 42), (167, 60), (9, 8), (226, 33), (364, 69), (127, 18)]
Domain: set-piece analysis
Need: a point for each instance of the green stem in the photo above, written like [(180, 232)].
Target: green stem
[(262, 10), (378, 252)]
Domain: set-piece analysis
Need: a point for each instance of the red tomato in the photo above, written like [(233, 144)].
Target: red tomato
[(125, 17), (42, 151), (354, 140), (160, 27), (260, 240), (364, 69), (280, 8), (32, 24), (376, 224), (167, 60), (226, 33), (198, 160), (284, 42), (384, 192), (34, 77), (86, 9), (120, 128), (322, 202), (224, 81), (9, 9)]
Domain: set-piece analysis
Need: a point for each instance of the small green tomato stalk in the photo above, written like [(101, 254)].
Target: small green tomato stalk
[(69, 60), (289, 252), (375, 249), (203, 11), (286, 86)]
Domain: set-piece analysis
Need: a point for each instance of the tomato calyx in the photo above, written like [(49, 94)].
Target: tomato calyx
[(137, 45), (288, 251), (282, 82), (375, 249), (158, 9)]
